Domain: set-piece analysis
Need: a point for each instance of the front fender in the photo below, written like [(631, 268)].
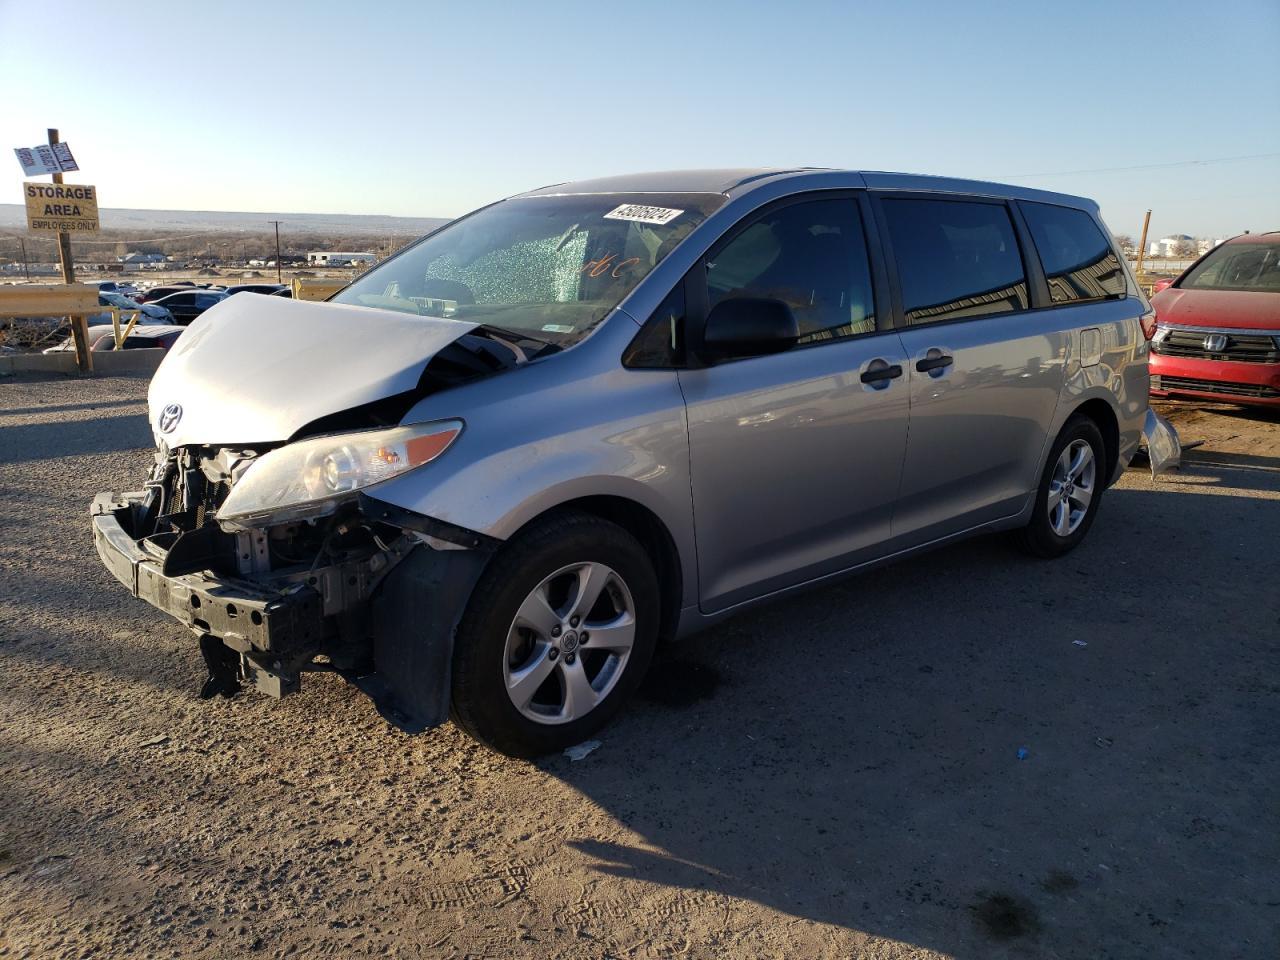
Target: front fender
[(552, 432)]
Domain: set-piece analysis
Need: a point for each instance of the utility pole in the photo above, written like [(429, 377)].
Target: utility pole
[(279, 279), (79, 325), (26, 270), (1142, 244)]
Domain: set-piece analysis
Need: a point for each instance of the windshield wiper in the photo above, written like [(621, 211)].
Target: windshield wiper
[(517, 339)]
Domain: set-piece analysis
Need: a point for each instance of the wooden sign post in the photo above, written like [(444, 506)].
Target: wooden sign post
[(79, 323)]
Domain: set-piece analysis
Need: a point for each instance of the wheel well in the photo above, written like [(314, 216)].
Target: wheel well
[(1100, 412), (643, 524)]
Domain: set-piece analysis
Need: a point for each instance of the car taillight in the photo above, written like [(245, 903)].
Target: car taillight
[(1148, 322)]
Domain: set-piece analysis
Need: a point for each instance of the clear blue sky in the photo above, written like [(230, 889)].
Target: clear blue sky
[(430, 109)]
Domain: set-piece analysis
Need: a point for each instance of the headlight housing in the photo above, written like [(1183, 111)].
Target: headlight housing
[(309, 478)]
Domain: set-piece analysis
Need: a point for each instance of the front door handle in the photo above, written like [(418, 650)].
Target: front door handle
[(935, 361), (881, 371)]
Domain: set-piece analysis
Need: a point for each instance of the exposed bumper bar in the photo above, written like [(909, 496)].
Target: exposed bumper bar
[(389, 628), (244, 618)]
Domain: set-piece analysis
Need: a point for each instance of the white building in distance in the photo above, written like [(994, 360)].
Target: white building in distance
[(1164, 247), (338, 258)]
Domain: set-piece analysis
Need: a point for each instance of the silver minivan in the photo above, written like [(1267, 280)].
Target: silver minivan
[(491, 475)]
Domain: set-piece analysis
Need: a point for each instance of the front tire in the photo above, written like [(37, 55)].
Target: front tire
[(1070, 491), (525, 681)]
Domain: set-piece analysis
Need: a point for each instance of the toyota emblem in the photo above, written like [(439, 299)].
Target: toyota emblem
[(169, 417), (1215, 343)]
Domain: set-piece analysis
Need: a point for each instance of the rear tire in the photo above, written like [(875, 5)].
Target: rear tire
[(1070, 491), (523, 682)]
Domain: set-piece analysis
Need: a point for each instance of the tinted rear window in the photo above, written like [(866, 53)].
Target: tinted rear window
[(1079, 262), (956, 259)]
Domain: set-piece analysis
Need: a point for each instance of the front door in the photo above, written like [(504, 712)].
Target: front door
[(795, 457)]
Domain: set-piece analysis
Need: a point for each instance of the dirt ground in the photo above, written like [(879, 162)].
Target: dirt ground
[(968, 754)]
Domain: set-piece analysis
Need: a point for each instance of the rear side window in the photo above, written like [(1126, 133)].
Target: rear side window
[(957, 260), (813, 257), (1079, 262)]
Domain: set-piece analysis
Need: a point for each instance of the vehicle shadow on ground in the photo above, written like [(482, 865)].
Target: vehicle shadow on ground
[(24, 442), (1177, 409), (1199, 457), (72, 407), (1254, 414), (975, 753)]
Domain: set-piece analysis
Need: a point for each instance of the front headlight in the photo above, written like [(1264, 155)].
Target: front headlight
[(310, 478)]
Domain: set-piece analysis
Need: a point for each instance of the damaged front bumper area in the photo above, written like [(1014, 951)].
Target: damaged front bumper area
[(373, 594), (1164, 448)]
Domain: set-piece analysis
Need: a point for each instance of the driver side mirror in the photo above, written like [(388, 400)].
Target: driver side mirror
[(744, 327)]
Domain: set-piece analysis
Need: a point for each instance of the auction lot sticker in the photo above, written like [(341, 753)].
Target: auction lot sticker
[(639, 213), (61, 207)]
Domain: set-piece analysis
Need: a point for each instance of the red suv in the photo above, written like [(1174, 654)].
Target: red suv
[(1218, 326)]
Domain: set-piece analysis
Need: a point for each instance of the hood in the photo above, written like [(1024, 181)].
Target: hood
[(1245, 309), (257, 369)]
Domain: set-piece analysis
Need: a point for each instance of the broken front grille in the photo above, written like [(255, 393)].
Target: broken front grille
[(191, 498), (199, 504), (191, 484)]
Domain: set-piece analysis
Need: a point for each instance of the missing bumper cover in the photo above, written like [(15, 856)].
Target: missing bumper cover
[(389, 629)]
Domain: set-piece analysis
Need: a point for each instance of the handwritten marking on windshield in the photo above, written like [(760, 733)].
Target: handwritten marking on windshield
[(594, 268)]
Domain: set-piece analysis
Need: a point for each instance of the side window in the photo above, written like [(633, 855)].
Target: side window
[(660, 342), (813, 257), (1079, 262), (956, 259)]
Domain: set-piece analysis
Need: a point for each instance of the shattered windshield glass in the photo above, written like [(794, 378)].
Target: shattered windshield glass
[(549, 268)]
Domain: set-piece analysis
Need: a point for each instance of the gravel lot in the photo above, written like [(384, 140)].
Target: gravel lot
[(835, 776)]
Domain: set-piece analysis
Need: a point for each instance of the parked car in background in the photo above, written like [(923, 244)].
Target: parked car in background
[(186, 305), (151, 312), (102, 337), (1218, 326), (152, 294), (162, 336), (178, 286), (114, 286), (489, 474), (263, 288)]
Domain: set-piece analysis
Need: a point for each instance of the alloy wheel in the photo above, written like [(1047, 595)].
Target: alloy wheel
[(569, 643), (1071, 487)]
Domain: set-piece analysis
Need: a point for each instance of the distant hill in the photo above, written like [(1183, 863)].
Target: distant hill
[(149, 223)]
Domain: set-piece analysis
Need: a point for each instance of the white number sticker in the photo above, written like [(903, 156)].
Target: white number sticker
[(639, 213)]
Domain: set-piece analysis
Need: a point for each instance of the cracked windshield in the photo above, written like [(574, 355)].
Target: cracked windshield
[(548, 268)]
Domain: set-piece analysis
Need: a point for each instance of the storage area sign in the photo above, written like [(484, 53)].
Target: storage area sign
[(61, 207)]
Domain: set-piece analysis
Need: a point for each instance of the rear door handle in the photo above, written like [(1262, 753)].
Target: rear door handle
[(882, 373), (937, 361)]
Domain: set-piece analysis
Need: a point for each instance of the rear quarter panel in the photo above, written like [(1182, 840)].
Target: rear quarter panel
[(1119, 375)]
